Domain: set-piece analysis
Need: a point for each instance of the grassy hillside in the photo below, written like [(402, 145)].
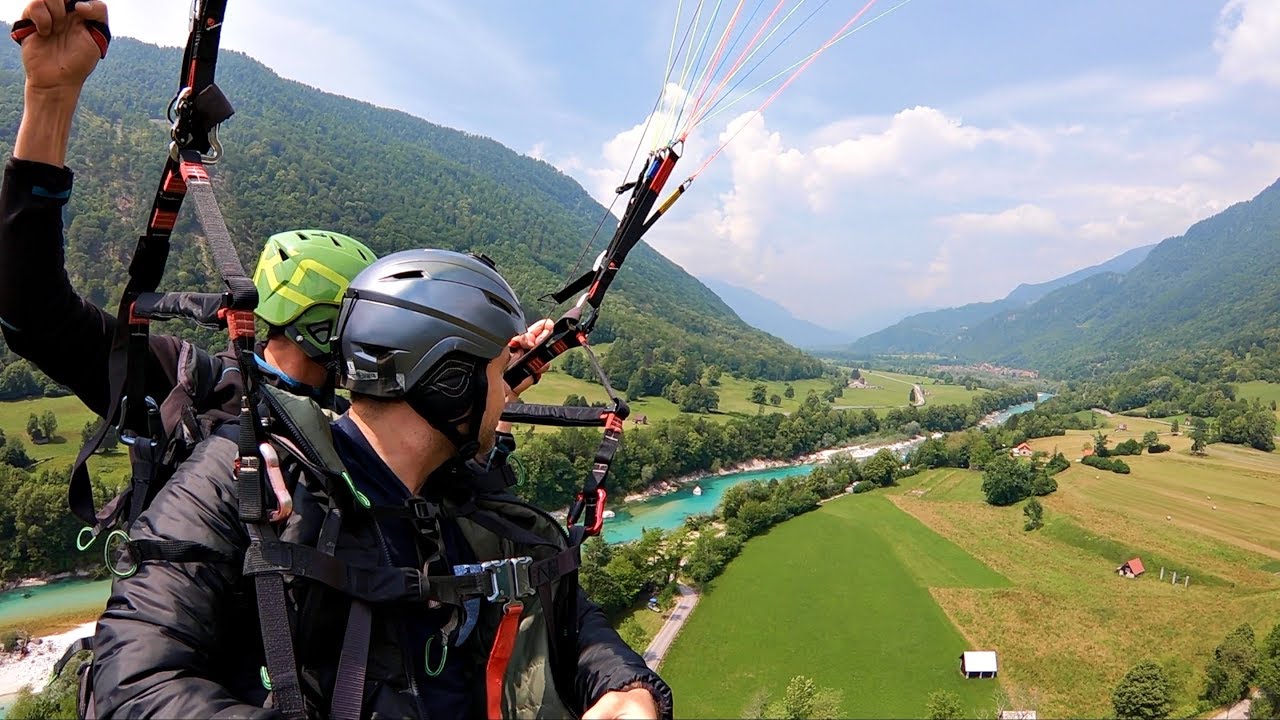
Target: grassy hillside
[(843, 595), (61, 453), (877, 594), (297, 157), (890, 391), (1069, 628), (1266, 392)]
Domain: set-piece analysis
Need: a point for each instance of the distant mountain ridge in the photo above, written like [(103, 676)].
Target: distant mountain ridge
[(1216, 286), (764, 314), (939, 330)]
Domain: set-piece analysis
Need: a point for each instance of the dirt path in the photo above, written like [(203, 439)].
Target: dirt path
[(1239, 711), (662, 641)]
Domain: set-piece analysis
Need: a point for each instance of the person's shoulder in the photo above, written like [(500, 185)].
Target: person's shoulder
[(213, 381), (199, 502)]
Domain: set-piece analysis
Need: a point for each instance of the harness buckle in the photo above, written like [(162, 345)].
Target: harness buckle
[(508, 578), (421, 509), (131, 437)]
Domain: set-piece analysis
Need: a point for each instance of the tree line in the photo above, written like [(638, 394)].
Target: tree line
[(555, 463), (1148, 690)]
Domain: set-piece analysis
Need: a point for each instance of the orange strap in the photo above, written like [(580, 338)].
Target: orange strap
[(503, 644)]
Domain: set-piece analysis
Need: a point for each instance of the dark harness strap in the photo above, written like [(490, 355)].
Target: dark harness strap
[(380, 584), (348, 694), (277, 639), (199, 108)]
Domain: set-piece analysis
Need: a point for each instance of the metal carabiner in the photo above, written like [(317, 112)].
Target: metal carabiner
[(284, 500)]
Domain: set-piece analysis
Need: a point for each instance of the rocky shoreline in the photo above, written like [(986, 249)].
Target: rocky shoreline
[(43, 579), (33, 669), (855, 451)]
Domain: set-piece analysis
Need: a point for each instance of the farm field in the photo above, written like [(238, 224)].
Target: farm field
[(892, 390), (843, 595), (734, 392), (1265, 391), (646, 622), (61, 453), (1069, 628)]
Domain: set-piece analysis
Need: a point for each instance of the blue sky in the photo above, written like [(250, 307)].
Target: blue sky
[(948, 152)]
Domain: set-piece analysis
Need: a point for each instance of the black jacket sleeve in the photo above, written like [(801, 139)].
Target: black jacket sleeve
[(43, 319), (168, 632), (606, 663)]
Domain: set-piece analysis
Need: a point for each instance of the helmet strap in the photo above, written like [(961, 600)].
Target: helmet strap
[(293, 384)]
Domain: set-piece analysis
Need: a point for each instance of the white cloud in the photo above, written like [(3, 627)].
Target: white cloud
[(1022, 221), (922, 207), (317, 53), (1248, 36), (923, 283)]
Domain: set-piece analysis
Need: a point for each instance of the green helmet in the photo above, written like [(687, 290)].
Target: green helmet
[(301, 278)]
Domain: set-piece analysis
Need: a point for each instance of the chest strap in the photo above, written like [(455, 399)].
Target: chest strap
[(497, 581)]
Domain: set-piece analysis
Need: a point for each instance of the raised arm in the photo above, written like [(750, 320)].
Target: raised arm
[(42, 317)]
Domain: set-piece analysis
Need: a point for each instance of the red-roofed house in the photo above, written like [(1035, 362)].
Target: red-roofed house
[(1131, 569), (1023, 450)]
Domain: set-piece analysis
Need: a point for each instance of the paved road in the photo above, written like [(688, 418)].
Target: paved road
[(919, 396), (662, 641)]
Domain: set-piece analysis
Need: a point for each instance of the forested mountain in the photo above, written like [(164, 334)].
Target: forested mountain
[(1216, 286), (938, 331), (298, 157)]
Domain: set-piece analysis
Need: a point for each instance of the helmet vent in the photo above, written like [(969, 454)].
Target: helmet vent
[(498, 303), (407, 275), (284, 256)]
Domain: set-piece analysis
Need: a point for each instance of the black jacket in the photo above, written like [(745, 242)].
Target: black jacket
[(64, 335), (183, 640)]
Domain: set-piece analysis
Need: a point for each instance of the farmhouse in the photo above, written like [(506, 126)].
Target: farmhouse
[(1023, 450), (1131, 569), (978, 664)]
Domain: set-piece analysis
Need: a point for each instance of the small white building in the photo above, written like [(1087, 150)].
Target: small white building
[(1017, 715), (978, 663)]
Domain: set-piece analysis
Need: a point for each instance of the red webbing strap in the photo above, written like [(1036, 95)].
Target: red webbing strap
[(504, 644)]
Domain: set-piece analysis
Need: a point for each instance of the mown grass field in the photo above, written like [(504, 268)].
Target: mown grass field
[(1264, 391), (734, 393), (892, 390), (1069, 628), (843, 595), (72, 416), (647, 620)]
